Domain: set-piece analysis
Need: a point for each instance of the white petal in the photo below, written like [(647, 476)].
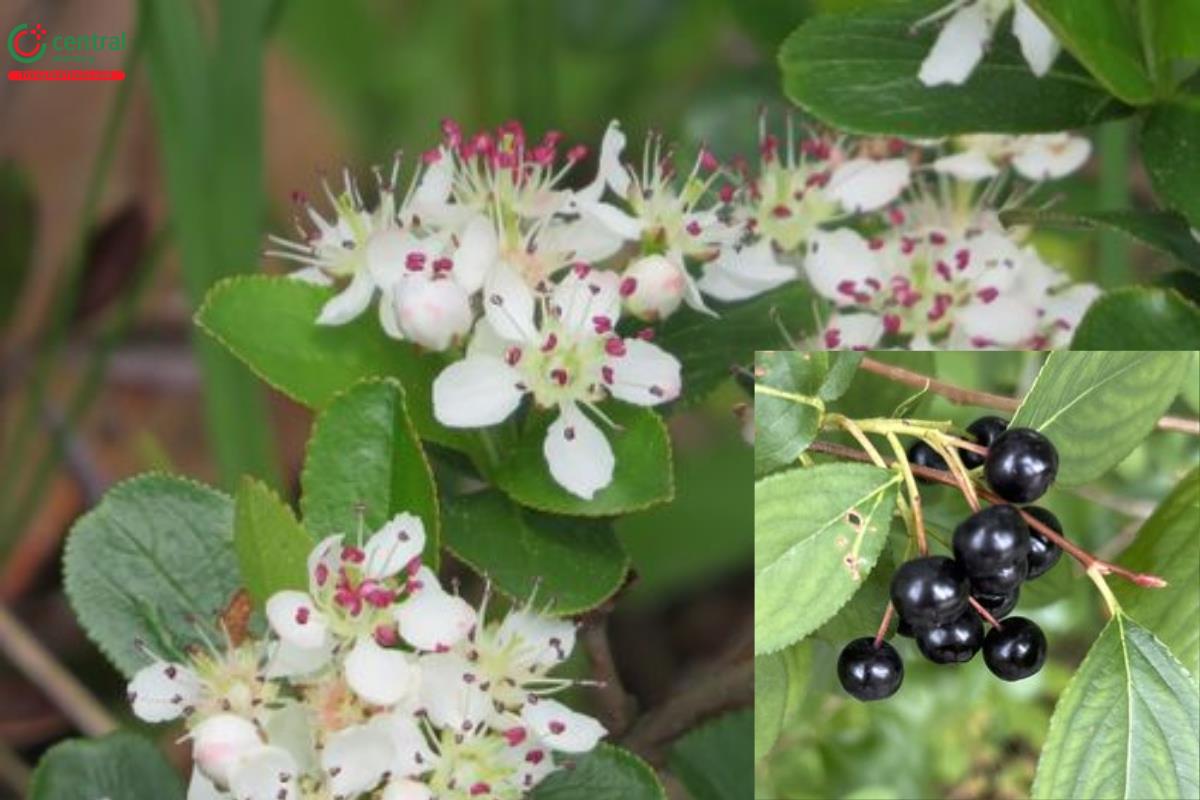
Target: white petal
[(609, 171), (323, 562), (406, 790), (509, 304), (969, 165), (1054, 156), (959, 46), (476, 392), (862, 184), (350, 302), (742, 273), (543, 641), (1038, 44), (839, 264), (356, 759), (583, 239), (378, 675), (1010, 319), (852, 332), (290, 661), (314, 275), (162, 691), (433, 190), (613, 219), (296, 620), (392, 547), (659, 286), (533, 763), (434, 313), (200, 787), (486, 342), (412, 754), (269, 773), (450, 692), (387, 252), (477, 253), (220, 742), (579, 300), (561, 728), (579, 456), (432, 619), (1064, 309), (292, 727), (389, 318), (645, 375)]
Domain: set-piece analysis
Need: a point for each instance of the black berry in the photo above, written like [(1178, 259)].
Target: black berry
[(1043, 553), (1015, 650), (990, 539), (869, 672), (921, 454), (1002, 580), (999, 605), (984, 431), (1021, 465), (929, 591), (904, 629), (952, 642)]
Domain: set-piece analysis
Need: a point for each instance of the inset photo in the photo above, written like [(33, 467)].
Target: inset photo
[(977, 575)]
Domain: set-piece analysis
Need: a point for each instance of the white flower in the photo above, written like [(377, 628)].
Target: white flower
[(655, 286), (357, 758), (213, 682), (164, 691), (1037, 157), (560, 728), (965, 37), (565, 356), (432, 619), (221, 742)]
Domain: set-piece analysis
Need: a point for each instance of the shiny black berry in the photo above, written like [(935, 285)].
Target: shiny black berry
[(1021, 465), (921, 454), (983, 431), (1001, 580), (868, 672), (990, 539), (1015, 650), (1043, 553), (952, 642), (999, 605), (904, 629), (929, 591)]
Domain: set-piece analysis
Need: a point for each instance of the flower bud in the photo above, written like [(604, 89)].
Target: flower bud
[(433, 312), (653, 287), (220, 742)]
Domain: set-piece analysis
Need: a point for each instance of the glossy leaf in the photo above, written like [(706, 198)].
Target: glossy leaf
[(576, 564), (150, 562), (1139, 319), (858, 71), (1097, 407), (1102, 34), (784, 427), (1168, 545), (817, 534), (713, 761), (1171, 151), (121, 766), (1127, 725), (770, 701), (643, 475), (1165, 231), (365, 465), (272, 547), (606, 773)]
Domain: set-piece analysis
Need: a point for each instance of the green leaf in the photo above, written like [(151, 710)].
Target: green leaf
[(871, 395), (713, 761), (311, 363), (785, 427), (272, 547), (1173, 30), (18, 225), (858, 72), (817, 534), (1127, 725), (1097, 407), (1168, 546), (843, 366), (606, 773), (1139, 319), (1102, 34), (120, 766), (643, 475), (1171, 151), (153, 560), (1165, 231), (365, 465), (576, 564), (864, 610), (770, 701), (745, 327)]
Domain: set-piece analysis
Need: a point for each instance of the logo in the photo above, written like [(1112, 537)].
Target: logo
[(25, 42)]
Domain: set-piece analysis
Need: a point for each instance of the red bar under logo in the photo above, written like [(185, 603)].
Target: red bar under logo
[(66, 75)]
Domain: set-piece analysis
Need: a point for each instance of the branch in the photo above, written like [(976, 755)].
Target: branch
[(616, 705), (969, 397)]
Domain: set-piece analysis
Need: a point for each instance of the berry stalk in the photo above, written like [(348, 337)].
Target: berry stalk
[(883, 626)]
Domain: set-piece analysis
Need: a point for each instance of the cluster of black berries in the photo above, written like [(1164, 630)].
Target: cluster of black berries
[(994, 552)]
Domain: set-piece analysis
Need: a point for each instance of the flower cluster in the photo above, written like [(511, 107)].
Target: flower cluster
[(375, 683), (496, 252)]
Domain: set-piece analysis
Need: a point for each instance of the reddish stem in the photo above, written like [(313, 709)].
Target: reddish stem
[(983, 612), (883, 626)]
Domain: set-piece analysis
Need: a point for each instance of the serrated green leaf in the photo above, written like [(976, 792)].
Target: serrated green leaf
[(1097, 407), (861, 614), (606, 773), (858, 71), (576, 564), (150, 562), (770, 701), (270, 324), (817, 534), (1168, 545), (1139, 319), (364, 458), (843, 366), (1165, 231), (272, 547), (1102, 34), (120, 766), (784, 427), (714, 761), (1170, 146), (1127, 725), (643, 475)]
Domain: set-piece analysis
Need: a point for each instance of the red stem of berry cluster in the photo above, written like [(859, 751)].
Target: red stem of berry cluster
[(1086, 559), (983, 612), (883, 626)]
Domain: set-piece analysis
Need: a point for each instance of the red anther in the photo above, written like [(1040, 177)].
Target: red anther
[(768, 147), (628, 287), (726, 193), (606, 374), (614, 346), (833, 337), (907, 245), (891, 323), (302, 615), (895, 216), (559, 376), (414, 261), (961, 259), (645, 334), (943, 269), (873, 284), (938, 238), (577, 153), (512, 355), (480, 788), (483, 144), (708, 162), (514, 736), (353, 555), (980, 341), (601, 324), (693, 228), (442, 264), (535, 756), (321, 573), (386, 636), (550, 343), (987, 294), (431, 156), (875, 244), (781, 212), (846, 288), (451, 132), (557, 727), (581, 269)]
